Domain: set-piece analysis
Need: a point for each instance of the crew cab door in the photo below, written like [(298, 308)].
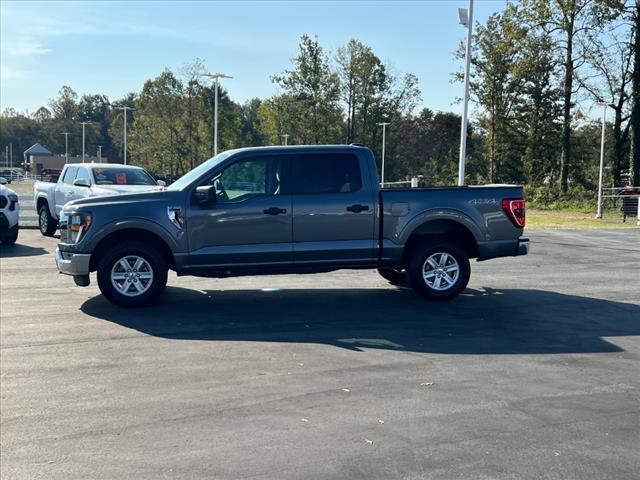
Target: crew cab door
[(64, 189), (250, 222), (333, 210)]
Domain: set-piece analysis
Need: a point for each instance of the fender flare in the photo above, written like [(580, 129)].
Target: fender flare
[(131, 223), (440, 214)]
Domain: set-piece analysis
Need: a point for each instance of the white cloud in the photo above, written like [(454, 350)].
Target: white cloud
[(23, 48)]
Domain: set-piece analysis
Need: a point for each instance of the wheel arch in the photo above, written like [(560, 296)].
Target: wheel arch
[(128, 234), (444, 229)]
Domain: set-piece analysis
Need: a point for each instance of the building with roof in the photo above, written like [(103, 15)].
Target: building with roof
[(39, 160)]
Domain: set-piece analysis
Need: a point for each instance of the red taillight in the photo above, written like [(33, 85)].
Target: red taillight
[(514, 208)]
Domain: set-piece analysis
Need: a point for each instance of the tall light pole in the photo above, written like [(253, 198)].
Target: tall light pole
[(286, 138), (466, 19), (604, 121), (384, 138), (124, 126), (83, 124), (216, 77), (66, 146)]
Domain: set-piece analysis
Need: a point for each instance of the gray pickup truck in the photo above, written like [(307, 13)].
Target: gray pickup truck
[(283, 210)]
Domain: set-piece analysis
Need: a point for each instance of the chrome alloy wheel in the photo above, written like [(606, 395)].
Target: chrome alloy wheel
[(132, 275), (44, 220), (440, 271)]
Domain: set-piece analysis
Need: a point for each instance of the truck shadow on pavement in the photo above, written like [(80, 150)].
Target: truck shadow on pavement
[(488, 321), (20, 250)]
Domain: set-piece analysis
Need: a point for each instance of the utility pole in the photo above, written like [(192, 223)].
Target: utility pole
[(286, 138), (99, 153), (11, 154), (124, 109), (216, 77), (6, 155), (384, 138), (83, 125), (66, 146), (604, 120), (466, 19)]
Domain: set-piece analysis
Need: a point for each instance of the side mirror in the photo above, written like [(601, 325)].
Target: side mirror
[(3, 181), (205, 194), (81, 182), (162, 183)]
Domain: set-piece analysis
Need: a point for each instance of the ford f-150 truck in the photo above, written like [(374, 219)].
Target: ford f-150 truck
[(80, 180), (275, 210)]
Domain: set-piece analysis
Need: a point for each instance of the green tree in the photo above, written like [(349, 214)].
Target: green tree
[(312, 83)]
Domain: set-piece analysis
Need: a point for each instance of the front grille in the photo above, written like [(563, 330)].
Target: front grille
[(4, 222), (3, 201)]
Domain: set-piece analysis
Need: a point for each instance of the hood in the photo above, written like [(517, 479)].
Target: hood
[(6, 191), (123, 198), (114, 189)]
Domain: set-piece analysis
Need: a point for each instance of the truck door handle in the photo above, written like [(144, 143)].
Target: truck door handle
[(357, 208), (275, 211)]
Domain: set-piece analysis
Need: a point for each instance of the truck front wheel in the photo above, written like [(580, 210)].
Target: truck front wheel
[(132, 274), (48, 225), (439, 270)]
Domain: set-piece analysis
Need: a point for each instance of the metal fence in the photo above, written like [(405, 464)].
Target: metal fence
[(627, 199)]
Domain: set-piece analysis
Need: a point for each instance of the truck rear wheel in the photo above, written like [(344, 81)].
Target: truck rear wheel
[(439, 270), (132, 274), (394, 277), (48, 225)]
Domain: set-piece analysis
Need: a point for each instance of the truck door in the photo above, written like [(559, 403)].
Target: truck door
[(250, 222), (64, 188), (333, 210)]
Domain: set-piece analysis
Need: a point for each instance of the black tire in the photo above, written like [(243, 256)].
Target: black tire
[(448, 289), (47, 224), (394, 277), (12, 237), (158, 268)]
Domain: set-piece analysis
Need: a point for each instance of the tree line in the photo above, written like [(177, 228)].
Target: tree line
[(535, 66)]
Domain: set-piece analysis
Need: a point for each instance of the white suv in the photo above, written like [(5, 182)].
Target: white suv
[(9, 211)]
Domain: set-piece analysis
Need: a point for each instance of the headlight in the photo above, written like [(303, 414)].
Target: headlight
[(74, 225), (13, 201)]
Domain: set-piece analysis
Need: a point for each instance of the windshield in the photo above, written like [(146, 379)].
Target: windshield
[(197, 172), (122, 176)]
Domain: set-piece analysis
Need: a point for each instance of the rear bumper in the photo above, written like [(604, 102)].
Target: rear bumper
[(72, 263), (523, 246)]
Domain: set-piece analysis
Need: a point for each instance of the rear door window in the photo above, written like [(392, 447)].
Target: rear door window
[(326, 173)]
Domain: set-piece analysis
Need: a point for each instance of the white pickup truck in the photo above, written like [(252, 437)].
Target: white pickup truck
[(81, 180)]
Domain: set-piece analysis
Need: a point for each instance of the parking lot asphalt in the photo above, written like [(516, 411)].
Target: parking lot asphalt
[(533, 373)]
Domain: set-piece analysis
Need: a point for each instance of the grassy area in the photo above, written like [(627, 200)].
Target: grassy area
[(571, 218)]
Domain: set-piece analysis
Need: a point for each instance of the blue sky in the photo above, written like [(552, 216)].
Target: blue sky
[(113, 47)]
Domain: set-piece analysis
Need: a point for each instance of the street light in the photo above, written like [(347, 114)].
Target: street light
[(466, 19), (216, 77), (125, 109), (286, 138), (66, 146), (384, 136)]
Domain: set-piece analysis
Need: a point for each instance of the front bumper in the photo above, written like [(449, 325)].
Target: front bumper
[(523, 246), (75, 264)]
